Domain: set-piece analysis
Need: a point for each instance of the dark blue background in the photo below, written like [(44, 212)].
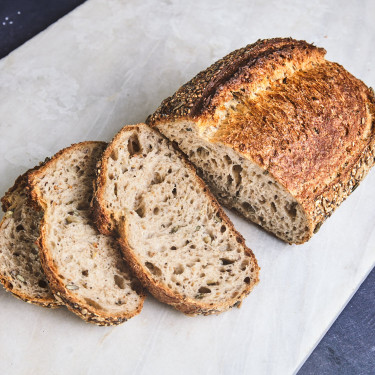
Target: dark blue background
[(348, 348)]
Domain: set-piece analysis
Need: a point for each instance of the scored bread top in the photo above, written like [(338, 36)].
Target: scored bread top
[(279, 103), (250, 65), (173, 233), (85, 269), (21, 272)]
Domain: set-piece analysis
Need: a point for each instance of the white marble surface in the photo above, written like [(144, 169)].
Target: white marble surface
[(111, 62)]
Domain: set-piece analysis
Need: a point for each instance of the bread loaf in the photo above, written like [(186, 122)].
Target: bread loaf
[(84, 268), (173, 233), (280, 134)]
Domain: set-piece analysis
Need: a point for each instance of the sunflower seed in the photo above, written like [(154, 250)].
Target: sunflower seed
[(72, 287)]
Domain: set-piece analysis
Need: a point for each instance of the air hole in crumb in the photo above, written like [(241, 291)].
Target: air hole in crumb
[(223, 228), (85, 273), (273, 206), (42, 284), (119, 281), (247, 280), (237, 169), (227, 159), (134, 146), (157, 179), (114, 154), (94, 304), (156, 210), (141, 211), (202, 152), (178, 270), (111, 176), (174, 191), (226, 261), (173, 248), (19, 227), (291, 210), (244, 264), (204, 289), (248, 207), (156, 271)]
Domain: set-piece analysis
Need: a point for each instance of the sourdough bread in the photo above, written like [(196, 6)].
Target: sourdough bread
[(173, 233), (84, 268), (280, 134), (21, 272)]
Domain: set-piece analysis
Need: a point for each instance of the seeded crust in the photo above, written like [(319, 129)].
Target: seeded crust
[(279, 104), (109, 226), (15, 199), (84, 310)]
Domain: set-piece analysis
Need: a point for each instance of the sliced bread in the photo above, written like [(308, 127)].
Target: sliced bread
[(279, 133), (84, 268), (20, 270), (173, 233)]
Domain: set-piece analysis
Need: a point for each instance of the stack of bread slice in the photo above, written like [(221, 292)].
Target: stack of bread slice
[(153, 211)]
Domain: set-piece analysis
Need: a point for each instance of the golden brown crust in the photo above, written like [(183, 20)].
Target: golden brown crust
[(9, 201), (305, 120), (157, 289), (195, 97), (78, 306)]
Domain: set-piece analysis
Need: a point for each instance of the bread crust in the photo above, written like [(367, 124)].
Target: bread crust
[(8, 201), (81, 308), (157, 289), (305, 120)]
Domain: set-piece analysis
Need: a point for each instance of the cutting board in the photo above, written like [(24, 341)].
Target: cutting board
[(110, 63)]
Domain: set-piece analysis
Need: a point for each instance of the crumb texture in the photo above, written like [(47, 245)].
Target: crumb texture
[(178, 236), (20, 268), (86, 267), (241, 184)]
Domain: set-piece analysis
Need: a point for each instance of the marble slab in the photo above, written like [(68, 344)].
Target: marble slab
[(111, 62)]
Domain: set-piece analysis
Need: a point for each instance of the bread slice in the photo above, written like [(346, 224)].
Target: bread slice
[(173, 233), (84, 268), (280, 134), (20, 270)]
